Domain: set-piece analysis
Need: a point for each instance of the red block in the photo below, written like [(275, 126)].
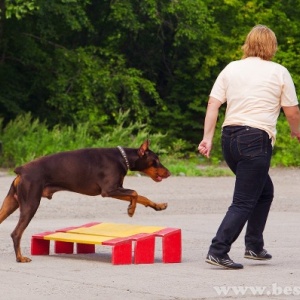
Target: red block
[(121, 251), (63, 247), (39, 246), (171, 244), (85, 248), (144, 248)]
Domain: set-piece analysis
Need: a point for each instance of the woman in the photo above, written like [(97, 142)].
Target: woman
[(255, 90)]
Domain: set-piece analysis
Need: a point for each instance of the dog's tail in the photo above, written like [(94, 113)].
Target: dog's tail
[(10, 203)]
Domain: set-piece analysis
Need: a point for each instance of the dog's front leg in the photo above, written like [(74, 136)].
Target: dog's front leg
[(147, 202), (133, 197), (124, 194)]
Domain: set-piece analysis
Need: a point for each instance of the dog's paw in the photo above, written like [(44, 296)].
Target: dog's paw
[(23, 259), (130, 210), (161, 206)]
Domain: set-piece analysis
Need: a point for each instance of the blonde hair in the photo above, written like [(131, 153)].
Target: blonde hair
[(260, 42)]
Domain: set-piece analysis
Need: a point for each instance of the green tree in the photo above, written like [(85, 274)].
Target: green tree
[(77, 61)]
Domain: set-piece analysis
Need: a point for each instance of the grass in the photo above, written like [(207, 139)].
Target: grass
[(193, 167)]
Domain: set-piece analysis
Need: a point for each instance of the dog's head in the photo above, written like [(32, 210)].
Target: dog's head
[(149, 163)]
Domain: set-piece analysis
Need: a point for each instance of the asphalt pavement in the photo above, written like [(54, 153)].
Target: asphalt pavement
[(196, 206)]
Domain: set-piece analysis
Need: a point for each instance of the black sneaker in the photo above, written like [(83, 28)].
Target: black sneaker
[(262, 255), (226, 263)]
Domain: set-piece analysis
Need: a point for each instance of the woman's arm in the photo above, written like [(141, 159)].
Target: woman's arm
[(211, 117), (292, 114)]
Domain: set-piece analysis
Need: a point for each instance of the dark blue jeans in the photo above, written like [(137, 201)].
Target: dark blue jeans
[(247, 152)]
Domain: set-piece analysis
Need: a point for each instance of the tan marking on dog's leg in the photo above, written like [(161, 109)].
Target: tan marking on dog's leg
[(147, 202), (9, 205), (141, 200), (16, 181)]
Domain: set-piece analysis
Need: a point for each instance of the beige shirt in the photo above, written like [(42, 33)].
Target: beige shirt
[(255, 90)]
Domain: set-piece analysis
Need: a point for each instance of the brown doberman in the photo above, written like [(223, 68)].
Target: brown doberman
[(90, 171)]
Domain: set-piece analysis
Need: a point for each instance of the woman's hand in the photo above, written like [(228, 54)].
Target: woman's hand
[(205, 148)]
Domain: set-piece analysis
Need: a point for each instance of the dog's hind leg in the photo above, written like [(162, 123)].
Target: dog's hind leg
[(29, 197), (10, 203)]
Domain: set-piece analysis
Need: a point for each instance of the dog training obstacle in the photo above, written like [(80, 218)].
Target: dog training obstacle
[(124, 239)]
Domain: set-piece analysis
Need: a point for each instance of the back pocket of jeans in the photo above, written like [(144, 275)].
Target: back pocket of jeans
[(250, 144)]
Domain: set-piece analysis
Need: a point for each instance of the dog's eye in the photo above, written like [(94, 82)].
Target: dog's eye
[(155, 162)]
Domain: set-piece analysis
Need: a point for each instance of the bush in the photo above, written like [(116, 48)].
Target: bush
[(25, 139), (286, 150)]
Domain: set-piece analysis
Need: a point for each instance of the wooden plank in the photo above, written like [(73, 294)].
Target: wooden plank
[(115, 230), (77, 238)]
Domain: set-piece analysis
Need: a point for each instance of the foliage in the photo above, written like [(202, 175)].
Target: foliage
[(286, 150), (131, 135), (19, 8), (91, 84), (194, 166), (74, 62), (25, 138)]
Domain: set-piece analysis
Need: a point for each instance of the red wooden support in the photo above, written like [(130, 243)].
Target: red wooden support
[(144, 248), (171, 244), (85, 248), (39, 246), (121, 251), (63, 247)]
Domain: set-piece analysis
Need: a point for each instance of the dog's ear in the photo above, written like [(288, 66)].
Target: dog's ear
[(144, 147)]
